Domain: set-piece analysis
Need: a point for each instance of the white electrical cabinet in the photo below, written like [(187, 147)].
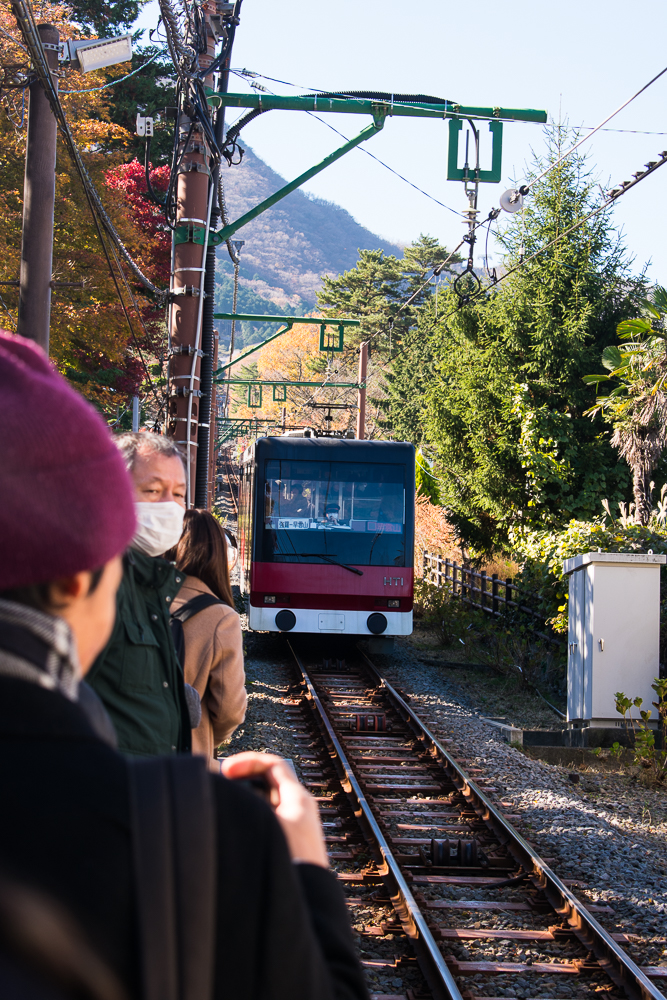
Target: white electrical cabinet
[(614, 633)]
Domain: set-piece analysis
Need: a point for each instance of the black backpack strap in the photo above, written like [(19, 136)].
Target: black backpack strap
[(175, 867), (194, 606), (183, 614)]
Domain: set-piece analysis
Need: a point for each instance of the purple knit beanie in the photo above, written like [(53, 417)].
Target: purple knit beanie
[(66, 501)]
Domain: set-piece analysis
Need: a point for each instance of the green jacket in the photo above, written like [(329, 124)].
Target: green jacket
[(137, 675)]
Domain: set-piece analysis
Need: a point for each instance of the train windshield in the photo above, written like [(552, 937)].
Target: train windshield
[(348, 512)]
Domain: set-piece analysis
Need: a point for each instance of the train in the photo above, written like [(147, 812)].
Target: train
[(326, 535)]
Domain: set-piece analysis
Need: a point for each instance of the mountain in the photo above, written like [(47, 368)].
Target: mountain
[(287, 249)]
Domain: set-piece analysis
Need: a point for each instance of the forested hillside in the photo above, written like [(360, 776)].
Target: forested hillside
[(288, 248)]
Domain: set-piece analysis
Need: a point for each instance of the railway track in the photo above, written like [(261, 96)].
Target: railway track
[(447, 886), (228, 498)]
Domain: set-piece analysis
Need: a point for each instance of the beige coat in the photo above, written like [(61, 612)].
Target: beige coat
[(214, 666)]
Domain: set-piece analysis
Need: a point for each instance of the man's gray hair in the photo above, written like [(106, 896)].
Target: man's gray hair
[(135, 443)]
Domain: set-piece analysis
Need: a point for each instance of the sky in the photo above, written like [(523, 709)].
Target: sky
[(578, 61)]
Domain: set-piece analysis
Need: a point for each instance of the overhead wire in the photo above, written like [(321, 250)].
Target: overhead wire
[(242, 73), (26, 21), (525, 188), (494, 212), (112, 83), (613, 196)]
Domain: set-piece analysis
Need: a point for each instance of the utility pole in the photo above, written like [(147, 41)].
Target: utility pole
[(191, 339), (39, 195), (206, 472), (212, 423), (194, 199), (361, 393)]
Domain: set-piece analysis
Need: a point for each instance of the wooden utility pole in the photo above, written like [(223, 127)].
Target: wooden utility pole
[(190, 242), (361, 394), (39, 194), (191, 415)]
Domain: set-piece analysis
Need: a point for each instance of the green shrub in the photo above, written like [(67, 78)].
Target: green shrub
[(543, 553)]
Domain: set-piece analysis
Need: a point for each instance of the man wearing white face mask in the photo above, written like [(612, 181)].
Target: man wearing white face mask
[(137, 675)]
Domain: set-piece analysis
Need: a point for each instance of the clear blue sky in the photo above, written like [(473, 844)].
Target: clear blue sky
[(577, 60)]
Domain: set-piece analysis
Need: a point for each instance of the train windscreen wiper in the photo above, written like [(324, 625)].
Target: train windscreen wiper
[(336, 562)]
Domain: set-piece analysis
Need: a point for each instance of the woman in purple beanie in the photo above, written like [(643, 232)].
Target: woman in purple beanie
[(265, 917)]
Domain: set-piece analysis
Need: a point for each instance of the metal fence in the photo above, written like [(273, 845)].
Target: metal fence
[(479, 590)]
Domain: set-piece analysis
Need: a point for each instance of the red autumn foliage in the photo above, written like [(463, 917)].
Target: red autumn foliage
[(153, 248)]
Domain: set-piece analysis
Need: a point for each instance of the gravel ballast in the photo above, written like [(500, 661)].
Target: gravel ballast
[(604, 830)]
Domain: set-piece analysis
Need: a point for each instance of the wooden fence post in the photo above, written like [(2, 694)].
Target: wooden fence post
[(508, 592), (494, 593), (482, 588)]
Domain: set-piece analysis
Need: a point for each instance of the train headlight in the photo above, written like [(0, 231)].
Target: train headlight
[(286, 620), (269, 600), (376, 623), (393, 604)]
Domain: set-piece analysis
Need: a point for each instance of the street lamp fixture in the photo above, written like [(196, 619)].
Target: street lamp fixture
[(96, 53)]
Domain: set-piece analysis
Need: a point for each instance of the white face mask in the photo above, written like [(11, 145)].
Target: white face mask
[(159, 527)]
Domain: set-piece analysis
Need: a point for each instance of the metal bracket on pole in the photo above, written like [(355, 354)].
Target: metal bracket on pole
[(196, 234), (364, 106), (254, 396), (456, 173)]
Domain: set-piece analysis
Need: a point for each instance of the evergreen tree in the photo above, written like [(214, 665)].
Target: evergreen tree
[(497, 391), (107, 19), (376, 289), (148, 92)]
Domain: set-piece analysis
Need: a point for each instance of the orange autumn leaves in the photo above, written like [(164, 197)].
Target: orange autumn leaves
[(90, 340), (295, 357)]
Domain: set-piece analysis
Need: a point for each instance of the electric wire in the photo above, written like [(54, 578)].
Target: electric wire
[(30, 34), (612, 197), (526, 187), (113, 83), (377, 159), (489, 219), (24, 15), (8, 311)]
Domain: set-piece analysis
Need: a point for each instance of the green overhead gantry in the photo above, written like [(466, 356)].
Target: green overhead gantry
[(280, 386), (380, 111), (289, 322)]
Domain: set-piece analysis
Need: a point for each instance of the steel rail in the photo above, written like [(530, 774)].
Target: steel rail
[(433, 965), (611, 958)]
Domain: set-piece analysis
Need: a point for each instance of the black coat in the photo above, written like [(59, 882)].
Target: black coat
[(283, 931)]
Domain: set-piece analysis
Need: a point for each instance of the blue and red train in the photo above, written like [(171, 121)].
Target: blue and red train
[(326, 535)]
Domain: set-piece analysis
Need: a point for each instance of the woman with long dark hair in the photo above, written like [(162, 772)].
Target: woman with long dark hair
[(213, 644)]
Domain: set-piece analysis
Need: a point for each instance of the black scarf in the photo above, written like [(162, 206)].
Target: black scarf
[(38, 648)]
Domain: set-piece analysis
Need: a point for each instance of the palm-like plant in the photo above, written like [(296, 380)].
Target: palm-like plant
[(637, 406)]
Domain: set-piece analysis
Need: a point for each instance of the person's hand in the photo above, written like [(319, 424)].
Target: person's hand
[(294, 806)]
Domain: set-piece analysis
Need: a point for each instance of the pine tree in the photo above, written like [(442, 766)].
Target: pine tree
[(496, 388)]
